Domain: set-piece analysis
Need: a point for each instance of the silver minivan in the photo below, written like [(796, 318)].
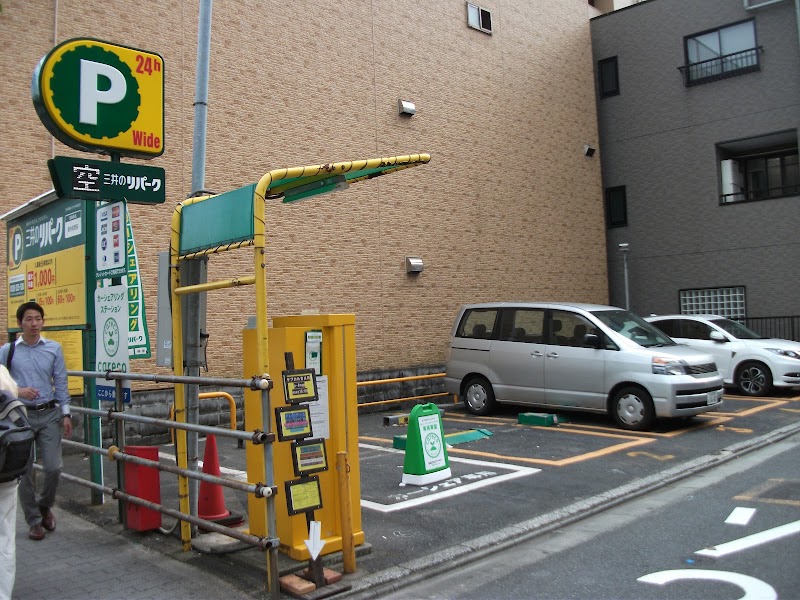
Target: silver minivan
[(587, 357)]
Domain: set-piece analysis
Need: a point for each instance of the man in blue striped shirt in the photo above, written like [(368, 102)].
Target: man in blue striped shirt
[(37, 365)]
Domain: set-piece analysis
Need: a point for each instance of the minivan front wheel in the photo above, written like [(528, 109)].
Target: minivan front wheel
[(632, 409), (478, 396)]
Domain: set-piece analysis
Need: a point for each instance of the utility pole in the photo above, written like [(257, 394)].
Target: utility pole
[(195, 271)]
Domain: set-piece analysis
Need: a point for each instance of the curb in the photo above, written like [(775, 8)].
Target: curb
[(395, 578)]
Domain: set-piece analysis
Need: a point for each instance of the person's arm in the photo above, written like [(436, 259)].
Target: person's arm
[(61, 389)]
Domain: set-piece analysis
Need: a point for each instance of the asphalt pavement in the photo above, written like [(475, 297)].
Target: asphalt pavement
[(497, 496)]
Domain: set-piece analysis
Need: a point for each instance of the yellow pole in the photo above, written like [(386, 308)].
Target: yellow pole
[(262, 345), (177, 369), (348, 549)]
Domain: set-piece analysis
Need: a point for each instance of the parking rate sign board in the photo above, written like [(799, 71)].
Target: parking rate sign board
[(101, 97), (46, 263)]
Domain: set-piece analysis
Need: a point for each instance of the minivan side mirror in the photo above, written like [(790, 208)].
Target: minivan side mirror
[(592, 340), (717, 336)]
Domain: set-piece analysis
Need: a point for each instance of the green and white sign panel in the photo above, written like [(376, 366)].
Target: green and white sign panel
[(102, 180), (426, 459), (138, 336), (111, 317)]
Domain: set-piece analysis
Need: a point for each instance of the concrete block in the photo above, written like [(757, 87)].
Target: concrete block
[(542, 419)]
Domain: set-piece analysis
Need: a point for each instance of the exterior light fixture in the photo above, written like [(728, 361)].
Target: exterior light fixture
[(406, 107), (414, 265)]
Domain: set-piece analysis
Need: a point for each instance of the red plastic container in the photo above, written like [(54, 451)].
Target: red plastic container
[(142, 482)]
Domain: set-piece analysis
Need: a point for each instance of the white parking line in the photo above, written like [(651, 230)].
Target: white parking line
[(751, 541), (740, 516), (452, 486)]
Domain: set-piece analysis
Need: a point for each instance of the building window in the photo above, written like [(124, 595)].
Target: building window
[(721, 53), (616, 207), (608, 75), (759, 168), (727, 302), (479, 18)]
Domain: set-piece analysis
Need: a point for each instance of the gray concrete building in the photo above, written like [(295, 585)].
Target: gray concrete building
[(698, 110)]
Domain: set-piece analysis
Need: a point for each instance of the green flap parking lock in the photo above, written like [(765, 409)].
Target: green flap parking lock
[(426, 452)]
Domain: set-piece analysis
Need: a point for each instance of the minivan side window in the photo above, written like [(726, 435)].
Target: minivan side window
[(569, 329), (522, 325), (478, 324)]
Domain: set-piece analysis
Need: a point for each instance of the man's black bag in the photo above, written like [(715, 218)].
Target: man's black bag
[(16, 439)]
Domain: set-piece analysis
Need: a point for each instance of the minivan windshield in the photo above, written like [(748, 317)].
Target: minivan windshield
[(736, 329), (634, 328)]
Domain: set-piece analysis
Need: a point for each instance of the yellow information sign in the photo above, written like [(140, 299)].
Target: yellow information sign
[(300, 385), (72, 346)]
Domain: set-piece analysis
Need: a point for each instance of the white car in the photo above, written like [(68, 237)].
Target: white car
[(753, 364)]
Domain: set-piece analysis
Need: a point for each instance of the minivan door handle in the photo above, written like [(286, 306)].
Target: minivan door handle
[(536, 353), (552, 355)]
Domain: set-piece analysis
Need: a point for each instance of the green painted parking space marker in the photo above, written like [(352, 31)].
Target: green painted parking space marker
[(457, 437)]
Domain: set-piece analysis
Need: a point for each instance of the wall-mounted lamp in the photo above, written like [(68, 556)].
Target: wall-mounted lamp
[(406, 107), (588, 151), (414, 265)]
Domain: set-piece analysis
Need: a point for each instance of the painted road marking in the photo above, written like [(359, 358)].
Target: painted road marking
[(450, 486), (626, 442), (740, 516), (651, 455), (757, 539), (754, 589), (735, 429)]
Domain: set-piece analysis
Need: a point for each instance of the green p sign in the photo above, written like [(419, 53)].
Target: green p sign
[(100, 97)]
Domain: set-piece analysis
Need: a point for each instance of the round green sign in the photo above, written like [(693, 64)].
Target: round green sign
[(112, 78), (111, 337)]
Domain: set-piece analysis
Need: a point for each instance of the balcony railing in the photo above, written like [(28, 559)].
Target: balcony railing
[(785, 328), (765, 194), (721, 67)]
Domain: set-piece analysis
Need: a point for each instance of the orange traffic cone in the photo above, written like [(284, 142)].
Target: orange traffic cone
[(211, 503)]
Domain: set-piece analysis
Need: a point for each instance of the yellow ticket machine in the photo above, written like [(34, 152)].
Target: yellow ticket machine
[(327, 343)]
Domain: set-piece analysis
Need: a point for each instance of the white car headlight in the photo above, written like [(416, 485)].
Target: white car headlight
[(663, 365), (786, 353)]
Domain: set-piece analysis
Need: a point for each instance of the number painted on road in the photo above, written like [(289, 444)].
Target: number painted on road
[(754, 589)]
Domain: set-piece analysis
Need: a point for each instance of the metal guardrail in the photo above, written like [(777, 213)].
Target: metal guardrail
[(401, 380), (265, 490)]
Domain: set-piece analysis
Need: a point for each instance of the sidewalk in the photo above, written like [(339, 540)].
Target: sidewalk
[(81, 560)]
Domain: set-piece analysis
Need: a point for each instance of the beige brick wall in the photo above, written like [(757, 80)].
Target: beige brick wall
[(508, 208)]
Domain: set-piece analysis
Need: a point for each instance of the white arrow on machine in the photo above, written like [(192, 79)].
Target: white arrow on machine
[(315, 544)]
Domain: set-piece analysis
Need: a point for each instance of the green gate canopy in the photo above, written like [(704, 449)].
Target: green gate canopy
[(297, 183), (227, 219)]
